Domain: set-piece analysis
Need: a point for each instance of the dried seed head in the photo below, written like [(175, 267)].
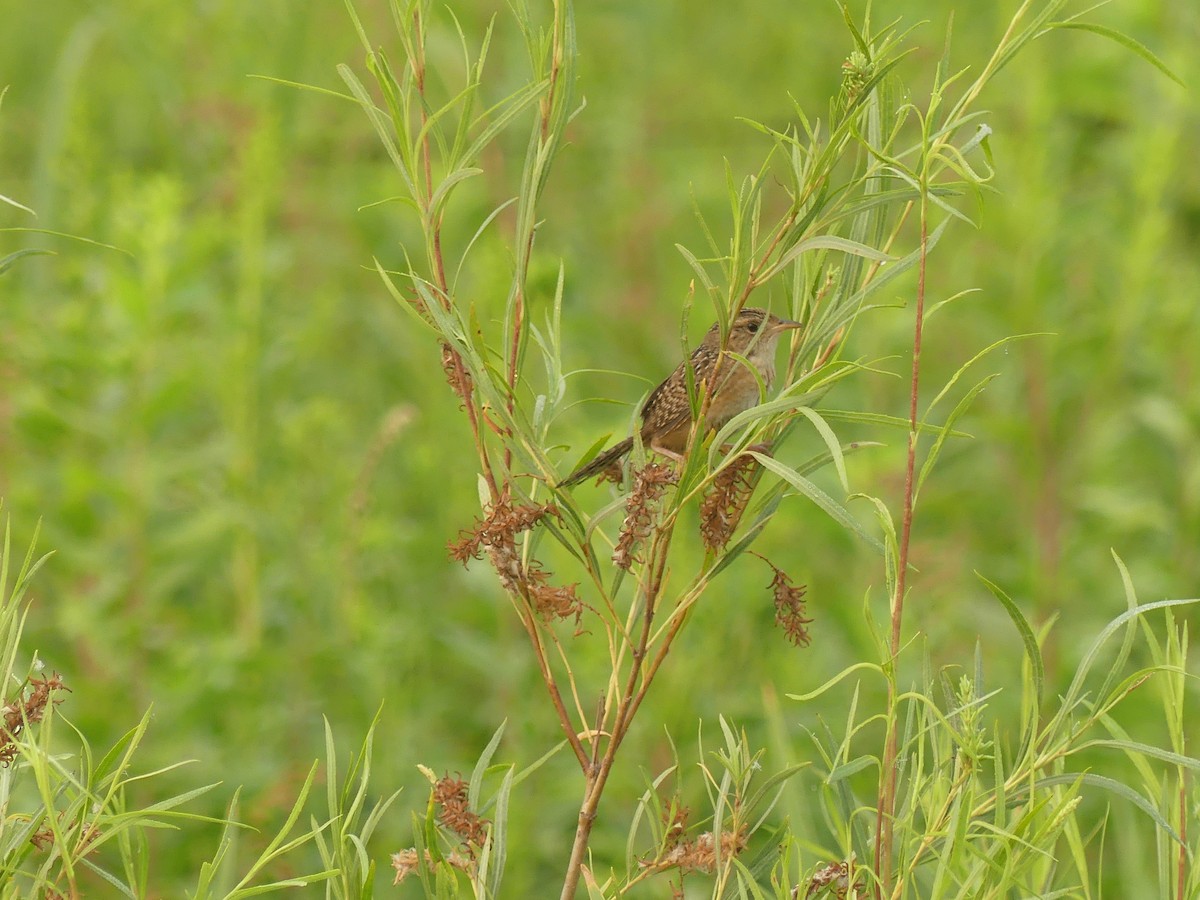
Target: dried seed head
[(30, 709), (497, 530), (451, 795), (613, 473), (640, 507), (723, 505), (675, 819), (457, 375), (496, 534), (700, 853), (789, 608), (835, 875), (552, 601), (405, 862)]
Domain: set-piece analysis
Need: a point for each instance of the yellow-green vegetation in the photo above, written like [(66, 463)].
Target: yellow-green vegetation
[(305, 305)]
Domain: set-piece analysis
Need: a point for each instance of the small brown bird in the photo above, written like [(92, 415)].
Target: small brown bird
[(667, 412)]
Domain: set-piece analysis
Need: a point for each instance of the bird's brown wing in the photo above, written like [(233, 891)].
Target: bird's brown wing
[(668, 407)]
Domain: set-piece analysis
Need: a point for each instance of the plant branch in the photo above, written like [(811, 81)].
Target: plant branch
[(526, 614), (627, 705), (886, 809)]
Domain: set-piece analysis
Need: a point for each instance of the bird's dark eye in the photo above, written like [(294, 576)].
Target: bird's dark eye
[(752, 327)]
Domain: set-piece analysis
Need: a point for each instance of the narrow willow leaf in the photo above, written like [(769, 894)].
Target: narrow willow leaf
[(834, 509), (68, 236), (404, 302), (935, 451), (7, 262), (829, 242), (441, 194), (381, 125), (399, 198), (832, 682), (941, 303), (1032, 650), (853, 767), (499, 841), (485, 759), (1177, 759), (1131, 603), (870, 418), (475, 237), (1116, 787), (698, 268), (831, 441), (1125, 41), (895, 269), (949, 385), (499, 116), (11, 202), (1075, 690), (300, 85)]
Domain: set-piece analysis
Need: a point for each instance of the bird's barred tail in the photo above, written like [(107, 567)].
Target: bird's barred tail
[(599, 464)]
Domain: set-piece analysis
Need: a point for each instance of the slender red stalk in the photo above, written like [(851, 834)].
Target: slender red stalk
[(434, 225), (886, 808), (637, 683)]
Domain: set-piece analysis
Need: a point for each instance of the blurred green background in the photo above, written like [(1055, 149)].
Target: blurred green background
[(249, 464)]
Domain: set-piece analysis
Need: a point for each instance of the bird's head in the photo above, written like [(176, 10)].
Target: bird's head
[(755, 333)]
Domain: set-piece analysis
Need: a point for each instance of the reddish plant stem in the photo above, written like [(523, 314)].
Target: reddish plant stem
[(886, 809), (910, 466), (433, 223), (628, 703), (518, 324), (560, 708)]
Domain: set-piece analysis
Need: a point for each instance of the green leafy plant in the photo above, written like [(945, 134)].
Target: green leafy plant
[(68, 817), (838, 210)]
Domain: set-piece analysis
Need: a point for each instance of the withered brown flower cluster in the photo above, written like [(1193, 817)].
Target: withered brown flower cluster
[(451, 795), (789, 607), (30, 709), (496, 535), (676, 820), (405, 862), (835, 877), (699, 854), (457, 375), (649, 484), (723, 505), (44, 836)]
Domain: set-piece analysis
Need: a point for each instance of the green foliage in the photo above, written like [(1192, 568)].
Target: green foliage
[(68, 820), (888, 158), (990, 804), (72, 826), (249, 464)]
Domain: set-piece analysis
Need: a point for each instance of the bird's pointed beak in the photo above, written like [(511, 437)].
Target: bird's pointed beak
[(787, 325)]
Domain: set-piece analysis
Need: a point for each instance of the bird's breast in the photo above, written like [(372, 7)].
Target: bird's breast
[(737, 394)]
